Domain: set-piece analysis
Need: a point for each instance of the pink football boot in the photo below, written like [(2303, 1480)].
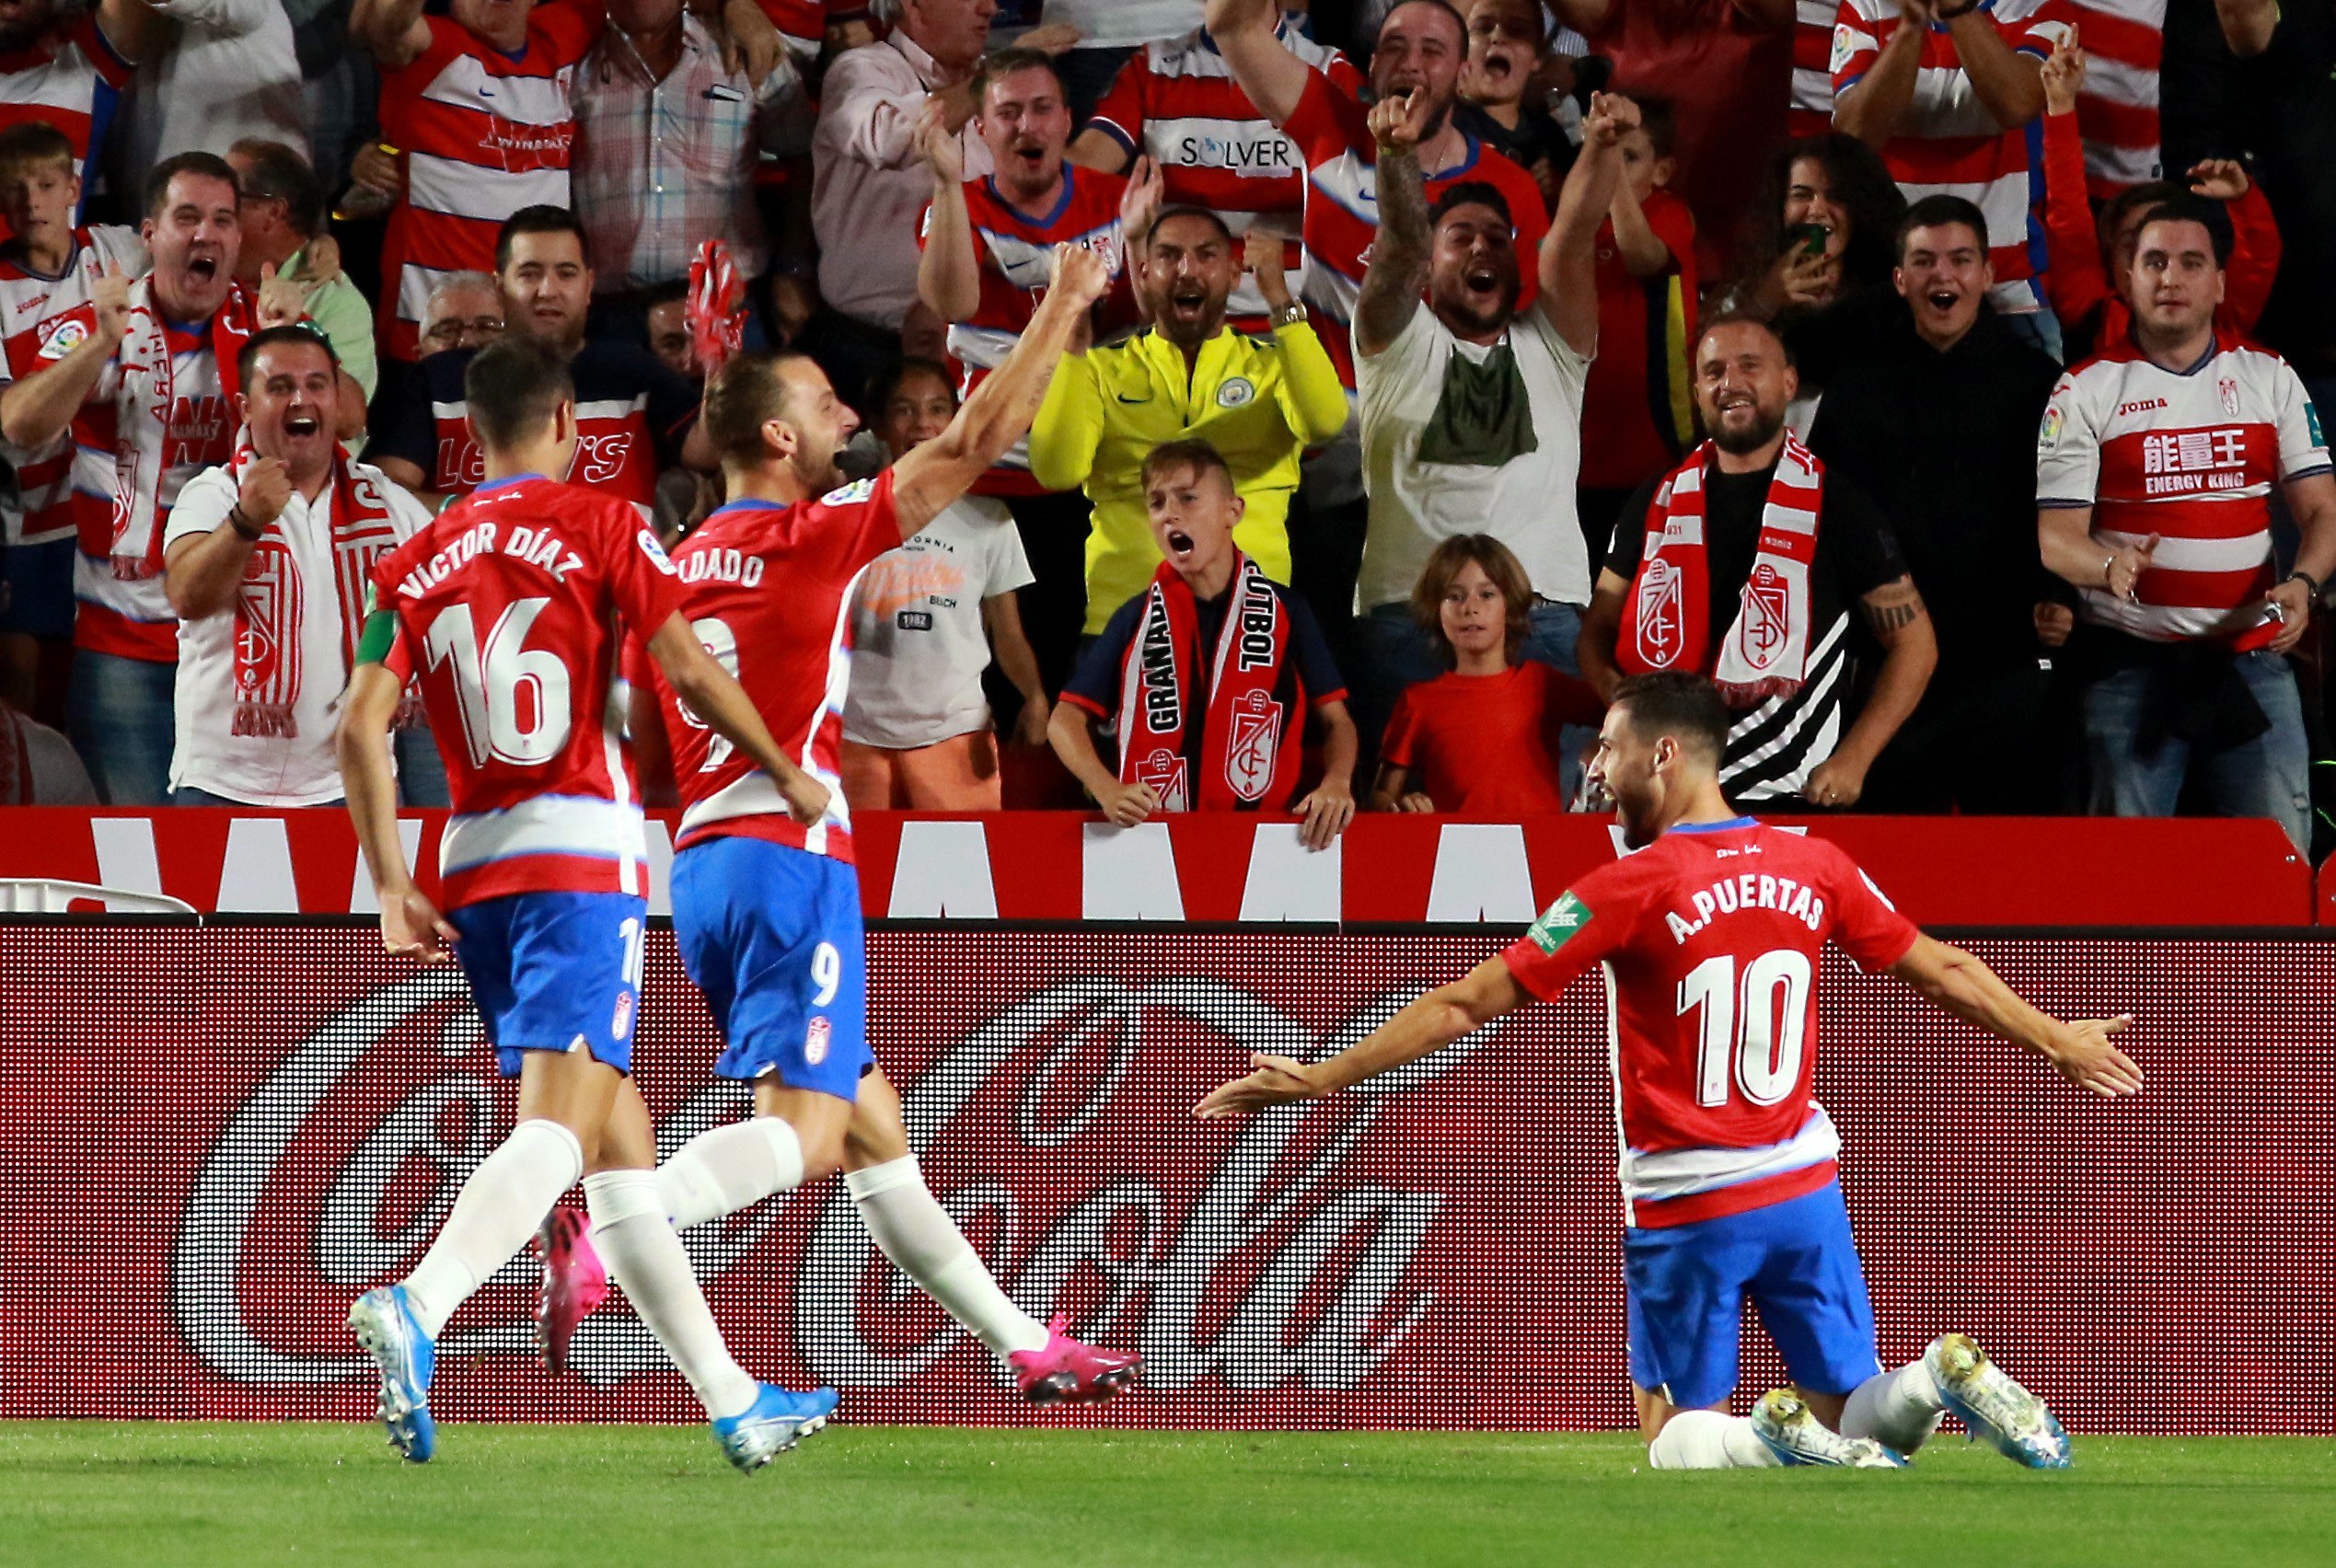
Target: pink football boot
[(574, 1282), (1068, 1371)]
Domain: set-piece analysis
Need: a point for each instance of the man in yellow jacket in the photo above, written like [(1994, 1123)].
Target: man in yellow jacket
[(1260, 403)]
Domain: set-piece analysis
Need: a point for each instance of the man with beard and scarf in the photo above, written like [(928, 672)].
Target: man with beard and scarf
[(1472, 399), (2153, 472), (68, 67), (1259, 403), (1935, 414), (265, 560), (1739, 566), (148, 395)]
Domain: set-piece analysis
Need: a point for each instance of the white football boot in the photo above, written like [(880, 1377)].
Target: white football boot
[(1794, 1434), (1997, 1410)]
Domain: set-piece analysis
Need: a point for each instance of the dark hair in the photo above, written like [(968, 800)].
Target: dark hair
[(1005, 63), (1191, 452), (887, 384), (279, 174), (1675, 703), (206, 165), (2186, 208), (298, 335), (32, 142), (1471, 193), (1937, 212), (539, 219), (1661, 122), (742, 397), (512, 387), (1862, 187), (1500, 563), (670, 292), (1458, 22), (2126, 202), (1713, 323), (1186, 209)]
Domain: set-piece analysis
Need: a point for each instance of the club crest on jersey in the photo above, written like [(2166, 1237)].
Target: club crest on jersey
[(1766, 628), (1253, 743), (2227, 390), (815, 1039), (1662, 630), (852, 494), (1558, 922), (656, 551), (1236, 393), (1164, 770)]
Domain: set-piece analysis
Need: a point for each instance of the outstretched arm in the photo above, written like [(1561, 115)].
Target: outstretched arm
[(1961, 985), (997, 412), (1397, 274), (393, 31), (1426, 1025), (1569, 251), (948, 270), (1274, 78)]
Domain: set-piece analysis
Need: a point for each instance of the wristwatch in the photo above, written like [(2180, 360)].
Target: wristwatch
[(2311, 583), (1289, 315)]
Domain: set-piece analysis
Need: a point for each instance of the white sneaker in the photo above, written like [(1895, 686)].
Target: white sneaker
[(1795, 1436), (1997, 1410)]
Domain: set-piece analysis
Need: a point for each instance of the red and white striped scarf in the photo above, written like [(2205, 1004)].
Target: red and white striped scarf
[(144, 446), (1666, 620), (271, 601)]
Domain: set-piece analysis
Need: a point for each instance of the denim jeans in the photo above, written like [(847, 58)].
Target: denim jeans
[(2129, 774), (1391, 653), (119, 715), (187, 795), (422, 772)]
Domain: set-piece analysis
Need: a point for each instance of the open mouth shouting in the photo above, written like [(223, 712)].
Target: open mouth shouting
[(1029, 154), (1188, 301), (203, 268), (300, 424), (1179, 546)]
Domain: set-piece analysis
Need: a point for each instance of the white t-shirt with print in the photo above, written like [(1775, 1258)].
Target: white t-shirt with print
[(918, 646)]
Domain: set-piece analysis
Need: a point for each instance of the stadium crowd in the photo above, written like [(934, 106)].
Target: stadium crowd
[(1938, 377)]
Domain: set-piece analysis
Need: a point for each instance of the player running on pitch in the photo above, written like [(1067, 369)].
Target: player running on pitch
[(1709, 935), (506, 604), (766, 910)]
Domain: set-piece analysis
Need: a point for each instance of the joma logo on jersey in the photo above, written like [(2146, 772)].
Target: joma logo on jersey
[(1558, 923)]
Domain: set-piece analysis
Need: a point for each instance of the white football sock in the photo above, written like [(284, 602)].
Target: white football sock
[(725, 1168), (1898, 1409), (496, 1212), (1705, 1439), (628, 1229), (918, 1234)]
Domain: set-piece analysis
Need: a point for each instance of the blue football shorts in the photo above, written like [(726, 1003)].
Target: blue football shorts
[(555, 972), (772, 936), (1795, 1261)]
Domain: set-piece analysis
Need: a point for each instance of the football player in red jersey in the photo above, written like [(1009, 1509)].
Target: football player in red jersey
[(505, 607), (1709, 934), (766, 906)]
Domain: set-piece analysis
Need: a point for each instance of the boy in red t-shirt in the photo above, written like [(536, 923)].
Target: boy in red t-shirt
[(1638, 411), (1482, 741)]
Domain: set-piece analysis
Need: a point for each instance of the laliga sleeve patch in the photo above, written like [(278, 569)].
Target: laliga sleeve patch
[(852, 494), (655, 551), (1560, 921), (2048, 436), (1844, 45)]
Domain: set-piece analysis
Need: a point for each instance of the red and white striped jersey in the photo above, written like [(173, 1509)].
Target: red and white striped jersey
[(41, 321), (769, 591), (1176, 99), (1948, 142), (2190, 457), (2124, 42), (1342, 210), (73, 80), (1812, 113), (485, 134), (1709, 938), (513, 607), (1015, 252)]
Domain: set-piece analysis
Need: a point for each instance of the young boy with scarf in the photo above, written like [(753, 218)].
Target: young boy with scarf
[(1206, 677)]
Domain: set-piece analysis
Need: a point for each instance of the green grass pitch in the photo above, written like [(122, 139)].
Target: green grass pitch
[(162, 1496)]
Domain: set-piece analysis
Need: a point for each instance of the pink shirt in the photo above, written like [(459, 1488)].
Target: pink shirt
[(870, 184)]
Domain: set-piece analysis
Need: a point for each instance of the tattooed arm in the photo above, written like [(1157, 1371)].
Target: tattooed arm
[(1397, 276), (1910, 652)]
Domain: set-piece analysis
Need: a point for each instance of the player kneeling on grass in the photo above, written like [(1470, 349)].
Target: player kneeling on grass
[(507, 607), (766, 903), (1709, 935), (1207, 675)]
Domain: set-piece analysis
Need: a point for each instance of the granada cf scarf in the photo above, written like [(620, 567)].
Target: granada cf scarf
[(145, 450), (1212, 729), (1667, 617), (271, 601)]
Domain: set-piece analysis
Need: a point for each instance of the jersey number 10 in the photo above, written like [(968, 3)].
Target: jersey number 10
[(1756, 1029)]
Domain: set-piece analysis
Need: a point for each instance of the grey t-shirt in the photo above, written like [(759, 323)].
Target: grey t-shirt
[(917, 647)]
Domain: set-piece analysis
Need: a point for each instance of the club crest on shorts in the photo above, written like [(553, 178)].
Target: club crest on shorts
[(1253, 743), (621, 1025), (1661, 627), (814, 1040)]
